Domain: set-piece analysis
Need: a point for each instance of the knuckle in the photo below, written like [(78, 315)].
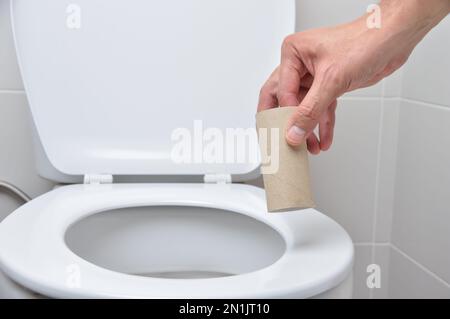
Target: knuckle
[(283, 95), (287, 42), (308, 112), (269, 88), (263, 90)]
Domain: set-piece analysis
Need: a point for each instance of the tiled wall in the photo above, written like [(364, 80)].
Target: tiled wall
[(353, 181), (372, 181), (16, 161), (421, 222), (387, 177)]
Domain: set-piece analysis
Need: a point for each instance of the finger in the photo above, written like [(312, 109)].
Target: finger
[(291, 73), (302, 93), (306, 81), (268, 95), (326, 127), (324, 90), (313, 144)]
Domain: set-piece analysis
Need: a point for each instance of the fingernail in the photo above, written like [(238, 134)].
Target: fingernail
[(296, 134)]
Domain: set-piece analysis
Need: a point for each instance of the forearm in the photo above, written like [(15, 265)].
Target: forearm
[(402, 25), (431, 11), (411, 18)]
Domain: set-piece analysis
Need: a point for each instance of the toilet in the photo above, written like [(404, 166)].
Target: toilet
[(112, 85)]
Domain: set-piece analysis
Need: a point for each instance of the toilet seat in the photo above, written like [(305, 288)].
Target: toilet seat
[(318, 255)]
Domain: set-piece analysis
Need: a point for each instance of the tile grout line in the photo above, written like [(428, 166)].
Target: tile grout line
[(376, 244), (394, 98), (418, 264), (377, 177), (368, 98), (427, 104), (11, 91)]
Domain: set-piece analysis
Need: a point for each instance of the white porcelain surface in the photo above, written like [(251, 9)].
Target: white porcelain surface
[(9, 76), (421, 223), (344, 177), (175, 242), (393, 84), (124, 87), (318, 252), (426, 75)]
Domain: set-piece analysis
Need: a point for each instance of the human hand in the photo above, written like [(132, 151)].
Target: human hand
[(318, 66)]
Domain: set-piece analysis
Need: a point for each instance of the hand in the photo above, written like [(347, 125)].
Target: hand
[(318, 66)]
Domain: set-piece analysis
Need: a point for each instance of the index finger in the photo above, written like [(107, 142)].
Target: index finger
[(268, 95), (291, 72)]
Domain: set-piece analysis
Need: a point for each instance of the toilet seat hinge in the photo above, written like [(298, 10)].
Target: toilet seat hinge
[(98, 179), (217, 178)]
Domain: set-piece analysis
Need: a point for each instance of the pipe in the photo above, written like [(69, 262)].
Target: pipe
[(23, 196)]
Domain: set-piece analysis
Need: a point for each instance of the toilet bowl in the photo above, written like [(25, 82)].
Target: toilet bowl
[(111, 93), (172, 241)]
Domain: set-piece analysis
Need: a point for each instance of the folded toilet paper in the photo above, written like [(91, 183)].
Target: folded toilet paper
[(285, 169)]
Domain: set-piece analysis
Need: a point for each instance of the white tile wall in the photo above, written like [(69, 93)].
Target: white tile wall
[(421, 224), (400, 275), (391, 204), (16, 160), (9, 71), (420, 263), (408, 279), (387, 158), (343, 178), (325, 13), (427, 74), (393, 84), (411, 171), (8, 203), (365, 255)]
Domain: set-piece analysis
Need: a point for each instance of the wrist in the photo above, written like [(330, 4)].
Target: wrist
[(403, 23), (412, 16)]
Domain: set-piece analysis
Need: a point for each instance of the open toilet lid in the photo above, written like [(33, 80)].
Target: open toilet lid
[(114, 85)]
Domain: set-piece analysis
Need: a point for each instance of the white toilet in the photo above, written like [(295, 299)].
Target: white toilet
[(108, 82)]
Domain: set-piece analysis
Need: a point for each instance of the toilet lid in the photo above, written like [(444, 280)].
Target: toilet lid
[(114, 85), (33, 250)]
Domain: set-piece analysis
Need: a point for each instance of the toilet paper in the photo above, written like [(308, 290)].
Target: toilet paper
[(285, 169)]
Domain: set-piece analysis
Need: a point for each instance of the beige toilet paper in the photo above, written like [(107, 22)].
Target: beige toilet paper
[(285, 169)]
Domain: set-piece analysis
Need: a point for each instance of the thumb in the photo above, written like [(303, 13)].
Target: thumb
[(306, 117)]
